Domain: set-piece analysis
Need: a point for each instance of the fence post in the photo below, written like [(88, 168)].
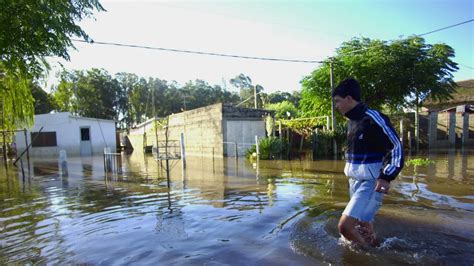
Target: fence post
[(107, 161), (236, 151), (465, 129), (279, 131), (301, 146), (257, 148), (401, 131), (409, 140), (183, 152), (452, 129), (63, 162), (27, 150)]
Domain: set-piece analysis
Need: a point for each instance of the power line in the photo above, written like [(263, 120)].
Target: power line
[(447, 27), (419, 35), (466, 66), (251, 57), (203, 53)]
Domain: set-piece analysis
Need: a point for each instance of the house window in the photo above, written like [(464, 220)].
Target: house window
[(85, 134), (43, 139)]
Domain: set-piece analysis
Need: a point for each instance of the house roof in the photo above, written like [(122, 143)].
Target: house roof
[(464, 95), (60, 115)]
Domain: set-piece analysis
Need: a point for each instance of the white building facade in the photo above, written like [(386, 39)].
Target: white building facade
[(78, 136)]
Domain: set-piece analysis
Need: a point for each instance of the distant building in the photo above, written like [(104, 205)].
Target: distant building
[(464, 95), (214, 130), (79, 136), (451, 122)]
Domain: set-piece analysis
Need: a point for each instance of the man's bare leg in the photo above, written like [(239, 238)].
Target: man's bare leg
[(347, 228), (368, 232)]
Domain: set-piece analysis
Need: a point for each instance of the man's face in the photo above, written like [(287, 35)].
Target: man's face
[(344, 105)]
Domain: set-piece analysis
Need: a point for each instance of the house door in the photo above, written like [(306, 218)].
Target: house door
[(86, 146)]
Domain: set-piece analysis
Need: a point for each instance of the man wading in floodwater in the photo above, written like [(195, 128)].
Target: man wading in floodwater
[(374, 158)]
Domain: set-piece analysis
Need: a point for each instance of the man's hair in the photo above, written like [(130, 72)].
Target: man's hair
[(347, 87)]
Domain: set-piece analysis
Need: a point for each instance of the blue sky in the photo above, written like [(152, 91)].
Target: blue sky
[(306, 30)]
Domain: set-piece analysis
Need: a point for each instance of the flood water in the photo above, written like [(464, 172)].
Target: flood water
[(223, 211)]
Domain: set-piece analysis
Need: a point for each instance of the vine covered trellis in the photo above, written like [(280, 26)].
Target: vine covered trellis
[(306, 126)]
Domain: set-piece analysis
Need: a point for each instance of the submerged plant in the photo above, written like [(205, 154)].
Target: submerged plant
[(269, 148), (419, 162)]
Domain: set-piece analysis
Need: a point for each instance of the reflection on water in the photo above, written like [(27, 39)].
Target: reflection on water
[(227, 211)]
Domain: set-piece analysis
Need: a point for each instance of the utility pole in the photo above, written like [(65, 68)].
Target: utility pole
[(155, 124), (255, 95), (331, 78), (224, 86), (184, 101), (153, 101), (333, 115)]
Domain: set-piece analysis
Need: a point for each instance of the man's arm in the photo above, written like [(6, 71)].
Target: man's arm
[(394, 159)]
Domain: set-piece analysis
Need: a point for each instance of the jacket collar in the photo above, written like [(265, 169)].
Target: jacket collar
[(357, 113)]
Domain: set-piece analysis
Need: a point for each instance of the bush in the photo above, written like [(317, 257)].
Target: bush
[(323, 141), (270, 149)]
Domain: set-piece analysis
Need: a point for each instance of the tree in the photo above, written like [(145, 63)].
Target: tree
[(17, 109), (391, 74), (93, 93), (247, 90), (139, 99), (130, 111), (44, 102), (30, 30), (284, 110), (278, 96), (199, 93)]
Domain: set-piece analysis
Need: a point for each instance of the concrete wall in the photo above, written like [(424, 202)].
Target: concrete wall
[(68, 134), (207, 129), (202, 130), (450, 129), (243, 133)]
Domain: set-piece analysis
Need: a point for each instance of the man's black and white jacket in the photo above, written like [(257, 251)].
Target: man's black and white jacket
[(373, 148)]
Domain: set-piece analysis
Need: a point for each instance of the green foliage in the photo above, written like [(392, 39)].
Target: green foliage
[(44, 102), (323, 141), (90, 94), (283, 110), (419, 162), (316, 93), (278, 97), (131, 99), (247, 91), (30, 30), (270, 148), (396, 74), (17, 109), (304, 127)]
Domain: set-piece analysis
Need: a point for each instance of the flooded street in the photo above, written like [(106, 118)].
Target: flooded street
[(223, 211)]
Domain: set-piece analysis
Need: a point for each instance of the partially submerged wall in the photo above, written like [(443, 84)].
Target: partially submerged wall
[(208, 131), (202, 129)]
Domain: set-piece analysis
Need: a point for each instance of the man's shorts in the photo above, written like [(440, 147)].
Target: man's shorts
[(365, 201)]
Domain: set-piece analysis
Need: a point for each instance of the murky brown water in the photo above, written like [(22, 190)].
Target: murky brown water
[(222, 212)]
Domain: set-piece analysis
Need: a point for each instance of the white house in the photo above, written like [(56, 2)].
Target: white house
[(62, 131)]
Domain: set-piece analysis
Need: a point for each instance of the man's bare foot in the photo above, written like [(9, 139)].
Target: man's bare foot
[(369, 236)]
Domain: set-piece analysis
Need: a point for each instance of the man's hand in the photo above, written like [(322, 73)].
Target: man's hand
[(382, 186)]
